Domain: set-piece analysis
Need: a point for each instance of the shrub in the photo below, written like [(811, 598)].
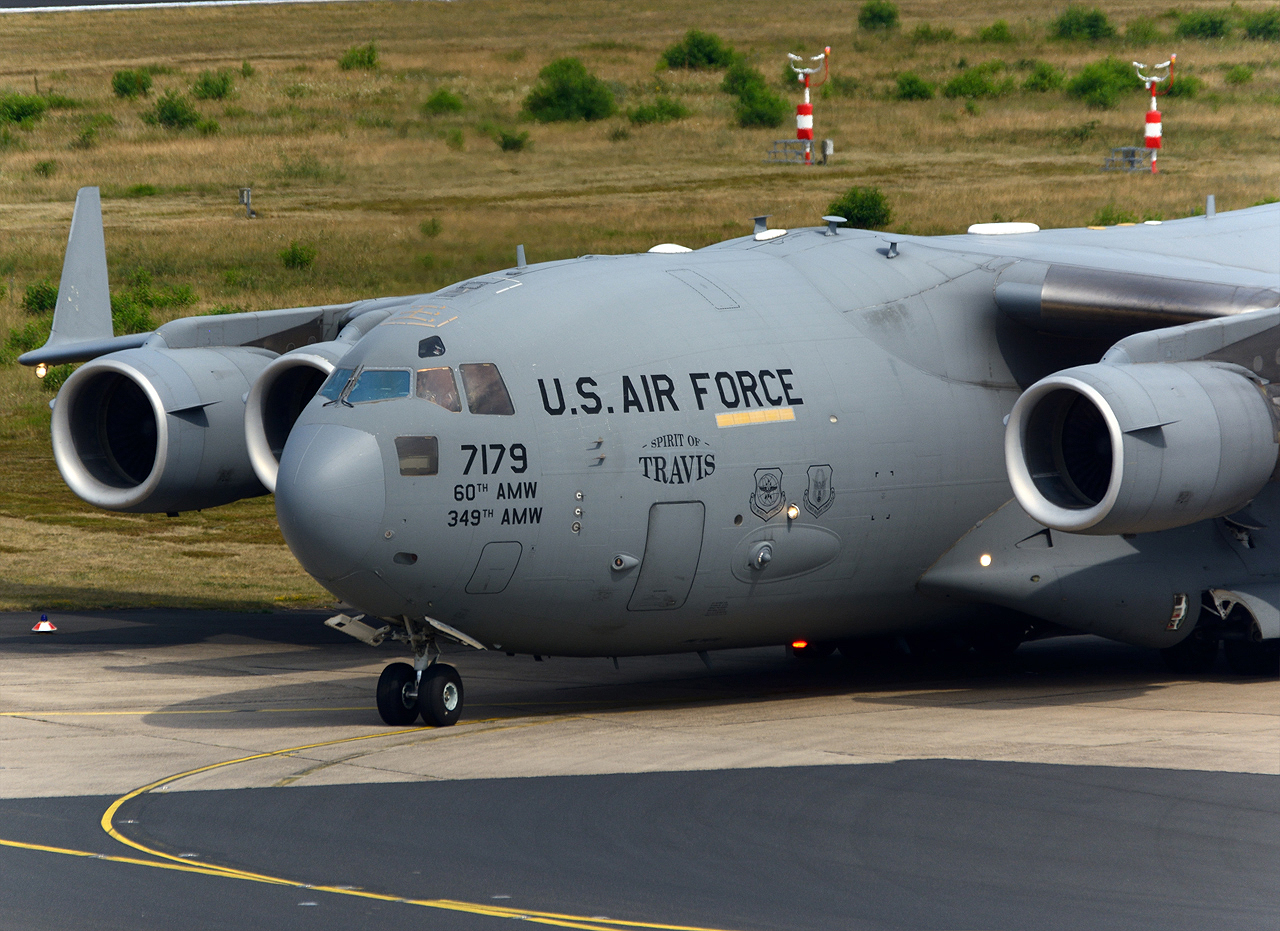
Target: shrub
[(1043, 78), (129, 84), (1101, 83), (55, 376), (1204, 24), (247, 70), (1238, 75), (998, 31), (209, 127), (46, 168), (1076, 22), (128, 316), (911, 86), (442, 101), (21, 108), (878, 14), (359, 57), (698, 49), (31, 335), (1141, 31), (1186, 86), (839, 85), (212, 85), (741, 78), (567, 91), (142, 190), (512, 141), (430, 228), (453, 139), (40, 298), (662, 110), (1263, 25), (863, 207), (298, 255), (172, 111), (1110, 215), (926, 33), (759, 106), (979, 81)]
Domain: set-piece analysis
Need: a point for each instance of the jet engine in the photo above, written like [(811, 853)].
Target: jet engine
[(158, 430), (1107, 449), (278, 397)]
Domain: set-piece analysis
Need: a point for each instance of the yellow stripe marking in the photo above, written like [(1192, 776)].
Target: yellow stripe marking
[(170, 862), (767, 415)]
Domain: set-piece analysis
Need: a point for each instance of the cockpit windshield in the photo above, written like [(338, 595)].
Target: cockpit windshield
[(437, 386), (335, 383), (379, 385), (486, 392)]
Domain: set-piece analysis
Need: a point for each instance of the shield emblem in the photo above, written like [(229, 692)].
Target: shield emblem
[(767, 499), (820, 493)]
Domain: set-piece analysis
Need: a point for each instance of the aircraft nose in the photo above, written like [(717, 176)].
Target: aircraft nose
[(330, 497)]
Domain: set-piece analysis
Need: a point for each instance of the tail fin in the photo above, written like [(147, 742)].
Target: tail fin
[(83, 311)]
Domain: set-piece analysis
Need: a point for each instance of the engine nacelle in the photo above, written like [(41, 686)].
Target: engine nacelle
[(158, 430), (277, 398), (1106, 449)]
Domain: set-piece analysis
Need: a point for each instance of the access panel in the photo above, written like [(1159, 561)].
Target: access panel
[(671, 554)]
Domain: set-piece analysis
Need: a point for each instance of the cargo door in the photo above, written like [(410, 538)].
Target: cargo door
[(671, 554)]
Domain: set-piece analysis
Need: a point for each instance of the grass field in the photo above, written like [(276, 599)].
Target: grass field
[(395, 199)]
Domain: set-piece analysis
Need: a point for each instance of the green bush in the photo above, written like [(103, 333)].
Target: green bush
[(172, 111), (1204, 24), (40, 298), (128, 316), (143, 293), (359, 57), (512, 141), (926, 33), (1263, 25), (129, 84), (567, 91), (45, 169), (741, 78), (759, 106), (911, 86), (142, 190), (864, 208), (1043, 78), (662, 110), (698, 49), (31, 335), (298, 255), (1101, 83), (1186, 86), (442, 101), (247, 70), (998, 31), (1238, 75), (212, 85), (430, 228), (21, 108), (1111, 215), (980, 81), (878, 14), (209, 127), (55, 376), (1142, 31), (1076, 22)]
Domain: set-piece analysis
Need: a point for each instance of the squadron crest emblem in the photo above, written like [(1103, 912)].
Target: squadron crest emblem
[(820, 493), (767, 499)]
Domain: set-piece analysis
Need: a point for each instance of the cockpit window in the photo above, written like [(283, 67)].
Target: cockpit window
[(419, 455), (335, 383), (379, 385), (438, 387), (486, 392)]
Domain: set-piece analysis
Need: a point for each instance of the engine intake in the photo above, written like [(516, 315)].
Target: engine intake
[(1105, 449), (158, 430)]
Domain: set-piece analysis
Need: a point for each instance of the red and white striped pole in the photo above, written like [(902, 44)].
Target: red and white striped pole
[(804, 111), (1154, 131)]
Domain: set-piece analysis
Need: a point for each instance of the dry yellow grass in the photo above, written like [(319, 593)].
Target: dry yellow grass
[(348, 162)]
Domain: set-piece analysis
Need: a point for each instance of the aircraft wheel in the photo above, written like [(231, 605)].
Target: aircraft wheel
[(396, 700), (440, 696), (1193, 656), (1253, 658)]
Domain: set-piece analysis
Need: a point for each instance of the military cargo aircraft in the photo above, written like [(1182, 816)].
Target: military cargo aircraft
[(808, 437)]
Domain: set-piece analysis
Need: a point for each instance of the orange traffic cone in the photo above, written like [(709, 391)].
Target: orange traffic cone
[(45, 626)]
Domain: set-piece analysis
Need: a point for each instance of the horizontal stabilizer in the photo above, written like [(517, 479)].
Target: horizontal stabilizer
[(83, 350)]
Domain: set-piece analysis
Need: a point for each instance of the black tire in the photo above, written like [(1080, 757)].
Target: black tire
[(440, 696), (1194, 656), (1252, 657), (396, 701)]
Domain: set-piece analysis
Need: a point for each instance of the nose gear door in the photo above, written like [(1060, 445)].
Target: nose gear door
[(671, 553)]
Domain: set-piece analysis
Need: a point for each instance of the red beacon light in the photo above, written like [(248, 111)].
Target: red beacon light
[(799, 644)]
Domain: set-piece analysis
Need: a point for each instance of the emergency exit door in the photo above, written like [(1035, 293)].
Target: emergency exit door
[(671, 554)]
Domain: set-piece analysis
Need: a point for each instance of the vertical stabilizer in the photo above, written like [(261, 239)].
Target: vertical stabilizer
[(83, 311)]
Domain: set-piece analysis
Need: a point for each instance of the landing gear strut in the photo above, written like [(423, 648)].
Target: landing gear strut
[(428, 688)]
